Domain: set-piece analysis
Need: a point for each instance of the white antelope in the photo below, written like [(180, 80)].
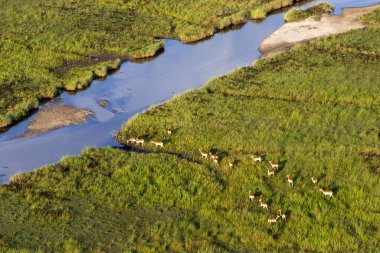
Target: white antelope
[(290, 181), (273, 220), (169, 132), (158, 143), (327, 192), (140, 141), (133, 140), (282, 214), (256, 158), (204, 155), (214, 158), (263, 204), (230, 164), (271, 173), (274, 165), (251, 197), (314, 180)]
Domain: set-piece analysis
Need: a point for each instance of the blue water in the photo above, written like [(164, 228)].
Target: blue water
[(136, 87)]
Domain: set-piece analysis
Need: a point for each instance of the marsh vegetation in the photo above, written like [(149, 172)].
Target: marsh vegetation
[(313, 110), (315, 11)]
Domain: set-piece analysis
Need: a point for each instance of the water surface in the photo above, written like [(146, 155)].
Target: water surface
[(136, 87)]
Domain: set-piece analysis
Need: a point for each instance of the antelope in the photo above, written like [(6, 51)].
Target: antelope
[(256, 158), (314, 180), (204, 155), (251, 197), (158, 143), (169, 132), (214, 158), (133, 140), (273, 220), (282, 214), (327, 192), (290, 181), (274, 165), (263, 204), (230, 164), (271, 173), (140, 141)]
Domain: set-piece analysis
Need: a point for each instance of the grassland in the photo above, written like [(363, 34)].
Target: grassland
[(314, 11), (372, 18), (314, 109), (47, 46)]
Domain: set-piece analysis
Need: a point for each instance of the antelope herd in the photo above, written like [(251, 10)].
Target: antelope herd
[(158, 144), (274, 168), (251, 197), (136, 140)]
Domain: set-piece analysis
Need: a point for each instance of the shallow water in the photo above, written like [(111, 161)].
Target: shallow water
[(136, 87)]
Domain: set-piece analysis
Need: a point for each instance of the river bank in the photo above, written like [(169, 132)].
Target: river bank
[(294, 33)]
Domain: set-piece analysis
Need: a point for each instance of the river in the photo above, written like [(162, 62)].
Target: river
[(136, 87)]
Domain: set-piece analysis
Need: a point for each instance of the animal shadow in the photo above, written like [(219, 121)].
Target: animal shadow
[(282, 164)]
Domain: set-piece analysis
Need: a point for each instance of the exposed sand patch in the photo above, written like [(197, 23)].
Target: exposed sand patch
[(292, 33), (56, 117)]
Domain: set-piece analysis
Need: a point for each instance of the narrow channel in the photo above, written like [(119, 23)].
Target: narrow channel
[(136, 87)]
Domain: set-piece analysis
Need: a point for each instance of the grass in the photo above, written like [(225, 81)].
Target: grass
[(372, 18), (314, 109), (109, 200), (314, 11), (41, 38)]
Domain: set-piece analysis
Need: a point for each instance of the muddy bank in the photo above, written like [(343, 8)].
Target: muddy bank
[(54, 118), (292, 33), (91, 61)]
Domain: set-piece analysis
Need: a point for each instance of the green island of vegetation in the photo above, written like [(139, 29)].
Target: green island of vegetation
[(315, 11), (49, 46), (314, 110)]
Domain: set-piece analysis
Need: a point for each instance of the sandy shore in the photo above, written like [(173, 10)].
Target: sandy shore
[(292, 33), (56, 117)]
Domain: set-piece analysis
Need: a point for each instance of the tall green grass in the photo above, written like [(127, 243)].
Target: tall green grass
[(315, 110)]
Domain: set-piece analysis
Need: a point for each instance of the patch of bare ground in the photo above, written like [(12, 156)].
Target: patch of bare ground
[(56, 117), (296, 32)]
